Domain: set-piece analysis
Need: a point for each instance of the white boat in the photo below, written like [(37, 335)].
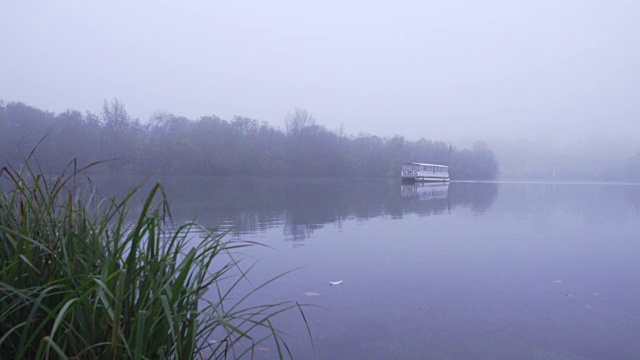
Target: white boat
[(419, 172)]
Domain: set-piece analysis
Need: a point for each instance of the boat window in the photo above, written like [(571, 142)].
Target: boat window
[(428, 168)]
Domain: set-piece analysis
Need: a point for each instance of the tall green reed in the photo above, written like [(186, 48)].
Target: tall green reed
[(80, 280)]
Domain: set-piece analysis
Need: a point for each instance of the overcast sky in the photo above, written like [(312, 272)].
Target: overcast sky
[(442, 70)]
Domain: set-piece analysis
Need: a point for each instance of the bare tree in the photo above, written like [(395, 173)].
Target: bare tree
[(115, 116), (116, 122), (299, 120)]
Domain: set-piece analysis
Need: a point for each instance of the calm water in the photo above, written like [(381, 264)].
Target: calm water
[(468, 270)]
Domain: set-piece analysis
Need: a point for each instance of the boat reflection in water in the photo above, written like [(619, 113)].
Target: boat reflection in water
[(425, 191), (425, 199)]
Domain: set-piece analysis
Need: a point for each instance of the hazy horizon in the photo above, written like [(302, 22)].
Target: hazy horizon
[(443, 71)]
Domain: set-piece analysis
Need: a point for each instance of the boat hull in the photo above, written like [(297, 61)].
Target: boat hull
[(423, 179)]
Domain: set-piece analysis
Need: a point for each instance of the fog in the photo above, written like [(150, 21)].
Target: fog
[(441, 70)]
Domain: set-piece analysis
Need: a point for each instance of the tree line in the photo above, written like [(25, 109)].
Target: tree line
[(209, 145)]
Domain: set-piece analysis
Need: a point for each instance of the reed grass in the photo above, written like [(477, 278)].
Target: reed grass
[(80, 280)]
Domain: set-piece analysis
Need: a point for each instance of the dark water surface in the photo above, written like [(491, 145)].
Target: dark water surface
[(464, 271)]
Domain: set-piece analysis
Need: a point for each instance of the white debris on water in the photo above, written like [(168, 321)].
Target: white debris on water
[(336, 282)]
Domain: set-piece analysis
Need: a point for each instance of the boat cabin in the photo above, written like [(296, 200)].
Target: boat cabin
[(421, 172)]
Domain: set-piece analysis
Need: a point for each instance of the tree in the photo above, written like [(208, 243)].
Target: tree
[(116, 123), (479, 163), (396, 152), (298, 120), (171, 144), (23, 128)]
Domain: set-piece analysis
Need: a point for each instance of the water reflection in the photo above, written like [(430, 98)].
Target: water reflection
[(595, 203), (470, 270), (301, 206), (424, 199), (632, 194), (425, 191)]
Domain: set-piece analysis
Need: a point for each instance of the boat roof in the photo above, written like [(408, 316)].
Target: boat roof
[(423, 164)]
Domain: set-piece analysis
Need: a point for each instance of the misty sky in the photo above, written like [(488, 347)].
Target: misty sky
[(442, 70)]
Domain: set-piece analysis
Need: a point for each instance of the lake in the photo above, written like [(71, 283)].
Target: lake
[(465, 270)]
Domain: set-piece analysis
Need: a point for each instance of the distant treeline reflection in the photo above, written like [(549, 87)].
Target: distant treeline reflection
[(170, 144), (302, 205)]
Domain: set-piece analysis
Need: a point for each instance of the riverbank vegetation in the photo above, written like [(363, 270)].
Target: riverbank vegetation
[(171, 144), (84, 278)]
